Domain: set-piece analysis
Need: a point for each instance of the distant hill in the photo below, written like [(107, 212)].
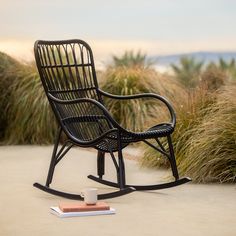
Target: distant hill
[(199, 56)]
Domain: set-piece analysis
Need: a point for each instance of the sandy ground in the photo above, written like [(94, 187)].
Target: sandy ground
[(191, 210)]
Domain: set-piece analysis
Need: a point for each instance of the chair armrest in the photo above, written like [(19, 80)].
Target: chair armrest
[(144, 95), (92, 101)]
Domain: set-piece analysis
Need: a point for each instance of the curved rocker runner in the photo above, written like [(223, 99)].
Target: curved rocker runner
[(68, 75), (143, 187), (78, 196)]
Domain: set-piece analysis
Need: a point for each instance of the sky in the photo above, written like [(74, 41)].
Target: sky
[(155, 27)]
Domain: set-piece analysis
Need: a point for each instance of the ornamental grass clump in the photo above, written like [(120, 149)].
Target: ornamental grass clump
[(213, 78), (190, 107), (210, 153), (7, 78), (190, 113), (30, 120), (136, 115)]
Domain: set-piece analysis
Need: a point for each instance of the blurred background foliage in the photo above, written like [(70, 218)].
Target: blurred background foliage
[(203, 97)]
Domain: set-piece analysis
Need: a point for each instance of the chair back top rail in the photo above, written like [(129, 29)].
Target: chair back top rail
[(67, 65)]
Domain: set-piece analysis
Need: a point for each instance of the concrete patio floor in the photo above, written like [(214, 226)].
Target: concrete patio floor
[(190, 209)]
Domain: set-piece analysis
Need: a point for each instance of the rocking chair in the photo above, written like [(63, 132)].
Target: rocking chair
[(67, 72)]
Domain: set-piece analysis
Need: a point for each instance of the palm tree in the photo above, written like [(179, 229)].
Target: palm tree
[(188, 72), (229, 68), (130, 59)]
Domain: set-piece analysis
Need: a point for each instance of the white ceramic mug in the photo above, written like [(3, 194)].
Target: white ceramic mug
[(90, 195)]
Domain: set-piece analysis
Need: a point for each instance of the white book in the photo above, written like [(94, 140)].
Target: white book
[(56, 211)]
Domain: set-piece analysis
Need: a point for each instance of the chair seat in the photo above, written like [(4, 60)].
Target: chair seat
[(160, 130)]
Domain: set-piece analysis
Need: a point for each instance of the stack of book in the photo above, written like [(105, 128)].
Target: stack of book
[(82, 209)]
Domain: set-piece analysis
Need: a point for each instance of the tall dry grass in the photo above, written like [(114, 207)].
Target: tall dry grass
[(204, 138), (7, 78), (190, 113), (210, 154), (195, 108), (30, 120), (190, 107), (138, 114)]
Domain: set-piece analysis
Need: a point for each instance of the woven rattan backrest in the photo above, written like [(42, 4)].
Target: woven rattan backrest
[(67, 68), (67, 72)]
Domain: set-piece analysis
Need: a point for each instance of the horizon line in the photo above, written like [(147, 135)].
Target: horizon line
[(105, 49)]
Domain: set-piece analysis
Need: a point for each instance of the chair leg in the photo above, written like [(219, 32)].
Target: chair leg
[(101, 163), (57, 156), (53, 159), (172, 158), (121, 173), (121, 170)]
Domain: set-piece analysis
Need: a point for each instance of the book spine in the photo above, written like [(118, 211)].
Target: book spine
[(82, 209)]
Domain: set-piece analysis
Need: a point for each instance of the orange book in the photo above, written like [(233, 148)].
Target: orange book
[(78, 207)]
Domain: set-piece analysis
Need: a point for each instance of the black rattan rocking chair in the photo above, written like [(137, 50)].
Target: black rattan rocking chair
[(68, 76)]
